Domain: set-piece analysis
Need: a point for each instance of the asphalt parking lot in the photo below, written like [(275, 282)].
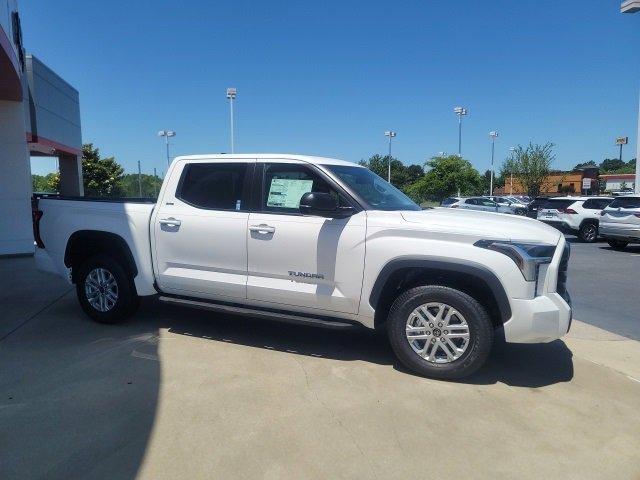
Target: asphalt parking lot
[(605, 286), (179, 393)]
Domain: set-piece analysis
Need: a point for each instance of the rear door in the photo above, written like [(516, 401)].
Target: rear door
[(623, 212), (470, 204), (487, 205), (592, 207), (308, 262), (200, 229)]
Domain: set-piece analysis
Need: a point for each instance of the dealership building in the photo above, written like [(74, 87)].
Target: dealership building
[(39, 116)]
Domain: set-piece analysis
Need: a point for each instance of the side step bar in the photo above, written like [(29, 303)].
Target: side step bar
[(259, 313)]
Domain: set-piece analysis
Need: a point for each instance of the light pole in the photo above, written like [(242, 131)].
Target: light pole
[(633, 6), (139, 180), (511, 149), (493, 136), (231, 95), (166, 134), (460, 111), (391, 135)]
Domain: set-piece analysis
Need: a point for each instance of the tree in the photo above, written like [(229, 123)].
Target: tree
[(446, 176), (401, 175), (102, 176), (611, 164), (532, 165), (48, 183), (150, 185), (588, 164)]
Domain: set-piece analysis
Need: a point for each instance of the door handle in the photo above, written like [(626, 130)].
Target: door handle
[(171, 222), (262, 228)]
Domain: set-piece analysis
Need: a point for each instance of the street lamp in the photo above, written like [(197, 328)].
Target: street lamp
[(231, 95), (460, 111), (166, 134), (493, 135), (391, 135), (633, 6), (511, 149)]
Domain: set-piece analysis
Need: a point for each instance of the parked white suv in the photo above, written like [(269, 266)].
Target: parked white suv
[(315, 241), (578, 216), (620, 221)]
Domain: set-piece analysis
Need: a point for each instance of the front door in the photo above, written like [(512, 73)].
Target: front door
[(307, 262), (200, 230)]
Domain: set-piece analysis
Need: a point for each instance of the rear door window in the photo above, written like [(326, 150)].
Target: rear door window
[(213, 186), (557, 204), (626, 202), (596, 203)]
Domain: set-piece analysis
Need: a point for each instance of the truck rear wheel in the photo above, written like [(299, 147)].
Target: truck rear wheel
[(440, 332), (105, 291)]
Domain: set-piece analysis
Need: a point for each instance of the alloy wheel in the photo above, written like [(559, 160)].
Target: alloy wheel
[(101, 289), (438, 332)]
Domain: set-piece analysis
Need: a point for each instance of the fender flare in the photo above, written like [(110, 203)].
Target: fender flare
[(447, 265), (96, 235)]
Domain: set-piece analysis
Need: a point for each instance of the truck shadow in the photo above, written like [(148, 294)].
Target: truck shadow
[(529, 366)]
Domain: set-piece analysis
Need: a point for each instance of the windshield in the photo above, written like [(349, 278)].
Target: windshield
[(378, 194)]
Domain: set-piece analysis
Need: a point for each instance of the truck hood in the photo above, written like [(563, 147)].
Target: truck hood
[(485, 225)]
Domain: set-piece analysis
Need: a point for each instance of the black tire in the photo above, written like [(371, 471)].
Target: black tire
[(480, 330), (588, 232), (521, 211), (617, 244), (127, 298)]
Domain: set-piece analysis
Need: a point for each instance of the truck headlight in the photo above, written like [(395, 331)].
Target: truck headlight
[(529, 257)]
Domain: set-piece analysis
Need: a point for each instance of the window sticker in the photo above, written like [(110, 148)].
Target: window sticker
[(286, 193)]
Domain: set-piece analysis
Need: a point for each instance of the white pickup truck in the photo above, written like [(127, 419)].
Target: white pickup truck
[(317, 241)]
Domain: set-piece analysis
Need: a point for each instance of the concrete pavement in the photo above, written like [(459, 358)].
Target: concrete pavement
[(179, 393)]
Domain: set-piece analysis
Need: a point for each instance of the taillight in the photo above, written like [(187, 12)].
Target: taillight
[(602, 213), (570, 211), (637, 214), (454, 206), (37, 215)]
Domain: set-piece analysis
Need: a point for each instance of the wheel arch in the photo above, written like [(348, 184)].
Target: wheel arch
[(474, 279), (84, 244), (592, 221)]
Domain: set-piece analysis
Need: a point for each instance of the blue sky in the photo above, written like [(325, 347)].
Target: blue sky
[(328, 78)]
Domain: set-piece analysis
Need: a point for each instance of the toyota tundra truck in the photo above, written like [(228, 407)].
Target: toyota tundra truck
[(315, 241)]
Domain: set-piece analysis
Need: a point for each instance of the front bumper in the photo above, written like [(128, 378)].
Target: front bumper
[(538, 320)]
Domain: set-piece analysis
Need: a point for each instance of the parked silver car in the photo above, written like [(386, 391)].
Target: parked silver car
[(475, 203), (515, 206)]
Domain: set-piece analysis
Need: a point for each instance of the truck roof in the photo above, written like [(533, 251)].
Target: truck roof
[(269, 156)]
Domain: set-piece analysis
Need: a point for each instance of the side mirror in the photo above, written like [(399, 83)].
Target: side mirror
[(323, 205)]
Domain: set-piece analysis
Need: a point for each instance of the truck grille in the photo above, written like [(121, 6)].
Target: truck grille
[(563, 273)]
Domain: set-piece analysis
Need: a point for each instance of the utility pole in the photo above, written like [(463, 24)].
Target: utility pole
[(231, 95), (493, 135), (633, 6), (460, 111), (139, 180), (166, 134), (391, 135), (155, 182)]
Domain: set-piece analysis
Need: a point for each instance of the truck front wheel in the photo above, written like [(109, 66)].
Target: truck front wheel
[(105, 291), (440, 332)]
